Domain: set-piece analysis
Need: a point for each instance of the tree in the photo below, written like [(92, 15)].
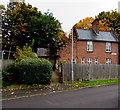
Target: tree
[(87, 24), (16, 25), (111, 19), (2, 9), (23, 23), (44, 29)]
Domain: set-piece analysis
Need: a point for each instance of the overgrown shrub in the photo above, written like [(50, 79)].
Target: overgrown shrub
[(32, 71), (24, 52), (12, 74), (7, 78)]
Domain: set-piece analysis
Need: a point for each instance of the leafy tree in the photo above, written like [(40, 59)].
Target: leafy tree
[(16, 25), (59, 40), (112, 20), (2, 9), (22, 23), (44, 29), (87, 24), (48, 33)]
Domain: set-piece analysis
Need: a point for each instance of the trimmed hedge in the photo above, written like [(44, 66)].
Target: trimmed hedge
[(32, 71)]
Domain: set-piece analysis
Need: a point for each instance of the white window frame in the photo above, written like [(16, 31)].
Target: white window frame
[(89, 60), (96, 60), (108, 61), (73, 60), (108, 47), (89, 46), (82, 60)]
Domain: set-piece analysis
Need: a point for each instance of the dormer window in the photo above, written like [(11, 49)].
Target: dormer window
[(108, 47), (89, 46)]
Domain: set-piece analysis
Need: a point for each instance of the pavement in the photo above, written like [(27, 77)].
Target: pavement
[(97, 97), (43, 90)]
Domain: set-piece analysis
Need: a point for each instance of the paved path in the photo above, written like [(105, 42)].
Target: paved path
[(101, 97)]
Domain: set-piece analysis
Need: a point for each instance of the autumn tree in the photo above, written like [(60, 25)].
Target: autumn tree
[(16, 25), (111, 19), (2, 9), (23, 23), (87, 24)]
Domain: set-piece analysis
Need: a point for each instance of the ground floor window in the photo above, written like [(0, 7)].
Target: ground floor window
[(73, 60), (82, 60), (108, 61), (96, 60), (89, 60)]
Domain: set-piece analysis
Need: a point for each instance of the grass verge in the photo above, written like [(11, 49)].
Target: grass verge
[(93, 83), (74, 85)]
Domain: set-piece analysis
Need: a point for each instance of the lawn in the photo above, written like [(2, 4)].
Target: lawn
[(93, 83)]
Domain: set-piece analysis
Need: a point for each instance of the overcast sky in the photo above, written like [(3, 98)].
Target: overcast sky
[(69, 12)]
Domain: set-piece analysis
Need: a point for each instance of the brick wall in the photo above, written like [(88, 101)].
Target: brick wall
[(80, 51)]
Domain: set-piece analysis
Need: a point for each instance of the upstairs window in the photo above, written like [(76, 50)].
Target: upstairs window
[(89, 46), (89, 60), (108, 61), (108, 47)]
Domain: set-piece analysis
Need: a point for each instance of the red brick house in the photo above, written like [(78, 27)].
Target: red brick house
[(92, 47)]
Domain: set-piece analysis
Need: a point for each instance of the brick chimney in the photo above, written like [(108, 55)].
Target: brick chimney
[(95, 26)]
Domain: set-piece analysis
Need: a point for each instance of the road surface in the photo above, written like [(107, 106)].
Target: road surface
[(99, 97)]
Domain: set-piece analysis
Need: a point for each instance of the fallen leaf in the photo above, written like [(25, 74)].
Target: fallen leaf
[(35, 90), (53, 91), (12, 92)]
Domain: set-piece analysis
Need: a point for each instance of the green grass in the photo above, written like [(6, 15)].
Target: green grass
[(93, 83)]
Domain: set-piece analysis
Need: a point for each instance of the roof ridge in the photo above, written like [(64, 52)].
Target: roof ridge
[(92, 30), (90, 35)]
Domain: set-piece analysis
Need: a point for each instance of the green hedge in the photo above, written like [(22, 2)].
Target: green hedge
[(31, 71)]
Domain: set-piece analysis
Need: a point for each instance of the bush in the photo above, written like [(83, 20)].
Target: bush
[(25, 52), (12, 74), (32, 71), (7, 78)]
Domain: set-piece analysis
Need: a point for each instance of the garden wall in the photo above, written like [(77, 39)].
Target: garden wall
[(90, 71)]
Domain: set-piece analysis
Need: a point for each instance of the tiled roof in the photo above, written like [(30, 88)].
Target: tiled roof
[(91, 35)]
